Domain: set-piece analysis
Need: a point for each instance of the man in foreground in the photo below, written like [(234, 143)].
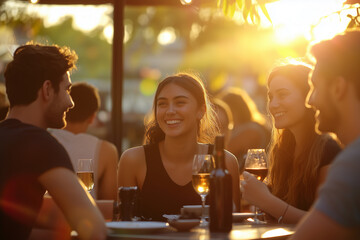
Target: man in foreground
[(32, 161), (335, 95)]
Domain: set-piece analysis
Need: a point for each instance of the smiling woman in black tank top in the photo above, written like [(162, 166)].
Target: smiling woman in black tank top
[(181, 124)]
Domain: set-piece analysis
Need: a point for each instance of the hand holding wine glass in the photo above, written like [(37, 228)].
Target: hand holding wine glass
[(254, 191), (202, 166), (256, 164), (86, 173)]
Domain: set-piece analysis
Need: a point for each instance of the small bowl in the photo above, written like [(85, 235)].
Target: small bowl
[(194, 211), (183, 225)]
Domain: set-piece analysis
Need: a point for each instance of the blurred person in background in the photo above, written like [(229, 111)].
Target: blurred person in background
[(4, 102), (81, 145), (299, 157), (182, 123), (32, 161), (223, 117), (335, 95), (250, 129)]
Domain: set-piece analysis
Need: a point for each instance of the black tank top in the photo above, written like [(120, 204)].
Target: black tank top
[(159, 194)]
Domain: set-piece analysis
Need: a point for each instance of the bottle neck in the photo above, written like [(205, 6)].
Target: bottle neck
[(219, 159)]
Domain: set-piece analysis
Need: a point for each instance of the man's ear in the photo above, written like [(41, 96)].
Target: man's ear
[(46, 90), (340, 88)]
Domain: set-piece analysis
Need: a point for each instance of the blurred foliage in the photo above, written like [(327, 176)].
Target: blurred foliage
[(214, 45), (208, 42), (352, 2), (230, 53), (93, 50), (250, 8), (354, 20)]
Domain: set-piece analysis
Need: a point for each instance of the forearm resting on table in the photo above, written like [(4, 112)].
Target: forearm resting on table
[(50, 217), (75, 203), (278, 208)]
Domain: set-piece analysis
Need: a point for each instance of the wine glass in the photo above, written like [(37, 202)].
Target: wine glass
[(86, 173), (203, 164), (256, 164)]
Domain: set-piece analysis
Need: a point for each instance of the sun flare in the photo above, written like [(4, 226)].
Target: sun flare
[(313, 20)]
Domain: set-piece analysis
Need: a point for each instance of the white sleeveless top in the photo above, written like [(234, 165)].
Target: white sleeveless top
[(79, 146)]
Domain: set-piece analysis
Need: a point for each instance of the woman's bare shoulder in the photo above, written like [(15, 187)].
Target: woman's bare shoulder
[(133, 155)]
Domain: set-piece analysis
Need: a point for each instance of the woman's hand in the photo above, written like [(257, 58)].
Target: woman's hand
[(254, 191), (257, 193)]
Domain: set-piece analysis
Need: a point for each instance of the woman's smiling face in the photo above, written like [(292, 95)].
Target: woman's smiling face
[(177, 111), (286, 103)]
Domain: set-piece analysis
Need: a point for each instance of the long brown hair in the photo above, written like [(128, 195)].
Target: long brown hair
[(207, 127), (294, 180)]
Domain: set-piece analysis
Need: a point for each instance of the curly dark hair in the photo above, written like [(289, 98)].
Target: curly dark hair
[(31, 66)]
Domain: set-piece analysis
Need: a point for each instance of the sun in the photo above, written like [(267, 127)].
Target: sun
[(313, 20)]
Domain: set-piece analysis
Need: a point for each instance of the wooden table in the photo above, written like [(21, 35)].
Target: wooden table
[(239, 231)]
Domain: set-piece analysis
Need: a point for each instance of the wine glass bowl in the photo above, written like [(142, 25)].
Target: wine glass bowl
[(256, 164), (85, 173), (203, 164)]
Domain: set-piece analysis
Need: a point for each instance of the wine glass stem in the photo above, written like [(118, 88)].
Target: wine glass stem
[(256, 220), (203, 209)]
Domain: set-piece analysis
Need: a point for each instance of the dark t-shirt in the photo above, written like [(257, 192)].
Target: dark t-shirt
[(26, 152), (331, 149), (160, 194), (339, 197)]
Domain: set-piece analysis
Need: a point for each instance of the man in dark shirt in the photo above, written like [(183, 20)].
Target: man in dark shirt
[(335, 94), (31, 160)]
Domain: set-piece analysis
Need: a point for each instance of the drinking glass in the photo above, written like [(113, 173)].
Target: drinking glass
[(86, 173), (203, 164), (256, 164)]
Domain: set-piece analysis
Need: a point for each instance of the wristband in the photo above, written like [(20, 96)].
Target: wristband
[(282, 216)]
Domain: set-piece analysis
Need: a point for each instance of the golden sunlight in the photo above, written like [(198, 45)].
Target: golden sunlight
[(167, 36), (314, 20), (109, 33), (89, 17), (238, 234), (305, 18), (275, 232), (86, 18)]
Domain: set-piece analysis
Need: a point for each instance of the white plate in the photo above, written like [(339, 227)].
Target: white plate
[(195, 206), (136, 227), (170, 217), (238, 217)]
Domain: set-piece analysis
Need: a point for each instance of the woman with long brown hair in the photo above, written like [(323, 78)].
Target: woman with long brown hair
[(299, 157), (182, 123)]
